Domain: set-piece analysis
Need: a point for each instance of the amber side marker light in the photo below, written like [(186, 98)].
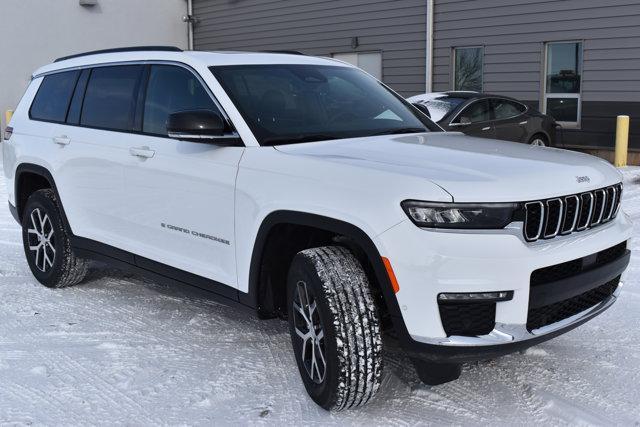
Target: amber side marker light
[(391, 274)]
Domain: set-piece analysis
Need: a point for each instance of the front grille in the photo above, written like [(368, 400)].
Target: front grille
[(545, 219), (571, 268), (467, 319), (552, 313)]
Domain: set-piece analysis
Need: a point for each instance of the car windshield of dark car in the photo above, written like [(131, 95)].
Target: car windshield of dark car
[(440, 107), (285, 104)]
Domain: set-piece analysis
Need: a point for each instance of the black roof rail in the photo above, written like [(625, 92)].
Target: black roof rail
[(289, 52), (123, 49)]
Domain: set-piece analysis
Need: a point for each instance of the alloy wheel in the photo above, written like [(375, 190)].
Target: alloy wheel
[(310, 332), (538, 142), (41, 238)]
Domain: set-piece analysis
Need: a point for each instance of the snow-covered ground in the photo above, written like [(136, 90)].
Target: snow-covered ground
[(120, 349)]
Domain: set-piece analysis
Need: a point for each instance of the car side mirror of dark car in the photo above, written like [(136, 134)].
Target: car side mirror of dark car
[(463, 121), (423, 109), (204, 126)]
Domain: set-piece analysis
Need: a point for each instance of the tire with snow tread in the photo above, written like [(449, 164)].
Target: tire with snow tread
[(65, 268), (347, 314)]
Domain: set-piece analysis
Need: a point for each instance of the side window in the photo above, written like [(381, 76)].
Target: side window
[(110, 98), (171, 89), (73, 117), (479, 111), (504, 109), (53, 97)]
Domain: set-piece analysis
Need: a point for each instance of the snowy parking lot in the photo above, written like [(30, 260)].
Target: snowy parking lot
[(121, 349)]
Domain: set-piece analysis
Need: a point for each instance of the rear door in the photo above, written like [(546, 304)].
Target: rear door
[(509, 120), (94, 143), (180, 194), (475, 120)]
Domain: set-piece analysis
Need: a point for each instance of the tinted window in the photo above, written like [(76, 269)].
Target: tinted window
[(286, 104), (76, 102), (110, 98), (504, 109), (52, 100), (479, 111), (172, 89)]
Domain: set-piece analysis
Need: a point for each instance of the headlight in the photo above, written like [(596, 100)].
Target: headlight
[(460, 215)]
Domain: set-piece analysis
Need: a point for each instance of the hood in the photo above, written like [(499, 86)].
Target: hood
[(470, 169)]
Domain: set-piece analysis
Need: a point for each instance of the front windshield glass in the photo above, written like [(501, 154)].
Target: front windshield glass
[(285, 104), (440, 107)]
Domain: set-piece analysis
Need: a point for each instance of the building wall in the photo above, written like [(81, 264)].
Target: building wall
[(513, 33), (35, 32), (395, 27)]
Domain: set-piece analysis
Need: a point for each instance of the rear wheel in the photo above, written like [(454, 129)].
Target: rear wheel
[(335, 328), (46, 243), (539, 140)]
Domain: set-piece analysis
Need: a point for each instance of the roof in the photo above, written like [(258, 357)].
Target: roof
[(424, 97), (193, 58)]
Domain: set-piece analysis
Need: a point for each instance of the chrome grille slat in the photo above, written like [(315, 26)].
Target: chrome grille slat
[(600, 198), (584, 221), (532, 215), (551, 230), (546, 219), (618, 199), (611, 192), (573, 219)]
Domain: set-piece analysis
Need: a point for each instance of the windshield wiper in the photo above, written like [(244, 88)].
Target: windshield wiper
[(275, 140), (399, 131)]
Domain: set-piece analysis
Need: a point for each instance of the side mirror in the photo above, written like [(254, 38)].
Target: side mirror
[(423, 109), (200, 126), (463, 121)]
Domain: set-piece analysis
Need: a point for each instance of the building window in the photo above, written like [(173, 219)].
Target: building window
[(563, 79), (371, 62), (467, 68)]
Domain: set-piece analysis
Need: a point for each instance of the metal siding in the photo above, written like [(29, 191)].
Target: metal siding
[(514, 33), (397, 28)]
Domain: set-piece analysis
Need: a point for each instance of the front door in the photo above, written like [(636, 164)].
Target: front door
[(475, 120), (181, 194)]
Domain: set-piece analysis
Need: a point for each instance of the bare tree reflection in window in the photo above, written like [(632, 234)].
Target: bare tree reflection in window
[(468, 69)]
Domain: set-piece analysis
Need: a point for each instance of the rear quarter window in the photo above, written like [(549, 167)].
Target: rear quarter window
[(54, 94)]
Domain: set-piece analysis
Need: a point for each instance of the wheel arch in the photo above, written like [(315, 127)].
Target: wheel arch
[(29, 178), (348, 234), (539, 132)]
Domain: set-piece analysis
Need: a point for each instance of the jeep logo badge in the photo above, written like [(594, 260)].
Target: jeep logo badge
[(581, 179)]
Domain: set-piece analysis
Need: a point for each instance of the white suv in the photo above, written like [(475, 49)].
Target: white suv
[(305, 189)]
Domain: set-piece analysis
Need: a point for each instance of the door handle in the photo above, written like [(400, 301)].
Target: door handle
[(487, 128), (62, 140), (143, 152)]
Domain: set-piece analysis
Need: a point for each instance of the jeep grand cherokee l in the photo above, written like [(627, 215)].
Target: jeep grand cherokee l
[(305, 189)]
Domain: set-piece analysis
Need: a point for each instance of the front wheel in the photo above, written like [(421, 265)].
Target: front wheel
[(335, 328)]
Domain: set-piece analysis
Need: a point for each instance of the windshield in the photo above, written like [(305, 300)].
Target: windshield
[(440, 107), (285, 104)]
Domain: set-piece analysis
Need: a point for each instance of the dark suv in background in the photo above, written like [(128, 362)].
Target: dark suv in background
[(488, 116)]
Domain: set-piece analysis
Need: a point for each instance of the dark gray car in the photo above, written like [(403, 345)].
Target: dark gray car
[(488, 116)]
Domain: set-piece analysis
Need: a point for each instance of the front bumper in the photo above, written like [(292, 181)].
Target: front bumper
[(428, 262)]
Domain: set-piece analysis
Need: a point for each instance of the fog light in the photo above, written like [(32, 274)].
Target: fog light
[(476, 296)]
